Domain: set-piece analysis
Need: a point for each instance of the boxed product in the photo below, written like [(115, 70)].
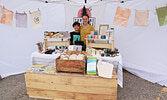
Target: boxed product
[(91, 65)]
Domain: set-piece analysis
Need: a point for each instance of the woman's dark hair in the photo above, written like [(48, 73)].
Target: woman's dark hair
[(84, 13), (76, 23)]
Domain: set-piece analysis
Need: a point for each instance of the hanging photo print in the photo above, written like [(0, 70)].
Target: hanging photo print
[(141, 17), (162, 15), (36, 19), (122, 16), (21, 20), (6, 17)]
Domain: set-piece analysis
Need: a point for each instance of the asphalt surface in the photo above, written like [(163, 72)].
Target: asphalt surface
[(135, 88)]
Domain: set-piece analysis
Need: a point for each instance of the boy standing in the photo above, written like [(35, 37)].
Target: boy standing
[(75, 35)]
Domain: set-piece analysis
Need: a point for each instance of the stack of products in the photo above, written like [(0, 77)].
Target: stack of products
[(110, 53), (71, 61), (65, 56), (58, 49), (108, 35), (102, 52), (56, 35), (93, 51), (75, 48), (42, 69)]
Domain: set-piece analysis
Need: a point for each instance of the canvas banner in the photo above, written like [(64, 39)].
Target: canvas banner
[(122, 16), (21, 20), (74, 13), (36, 19), (6, 17), (162, 15), (141, 17)]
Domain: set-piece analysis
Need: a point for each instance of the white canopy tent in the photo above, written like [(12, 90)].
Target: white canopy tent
[(143, 48)]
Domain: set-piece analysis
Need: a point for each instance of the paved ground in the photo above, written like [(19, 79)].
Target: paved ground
[(135, 88)]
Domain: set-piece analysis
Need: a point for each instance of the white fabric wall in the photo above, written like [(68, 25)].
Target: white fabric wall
[(143, 48), (17, 44)]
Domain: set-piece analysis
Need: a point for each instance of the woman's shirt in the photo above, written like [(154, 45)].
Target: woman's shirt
[(84, 32)]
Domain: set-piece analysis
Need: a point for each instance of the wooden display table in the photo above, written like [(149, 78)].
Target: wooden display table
[(70, 86), (111, 46)]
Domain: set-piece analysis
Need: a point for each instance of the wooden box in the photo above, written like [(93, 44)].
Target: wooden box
[(70, 65), (68, 86)]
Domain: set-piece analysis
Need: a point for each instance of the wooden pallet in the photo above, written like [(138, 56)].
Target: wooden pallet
[(67, 86)]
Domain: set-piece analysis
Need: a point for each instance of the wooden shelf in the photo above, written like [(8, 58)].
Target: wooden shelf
[(111, 46), (100, 39), (55, 38), (55, 43)]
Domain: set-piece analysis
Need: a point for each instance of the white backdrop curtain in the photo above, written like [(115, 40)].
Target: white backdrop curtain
[(143, 47), (17, 44)]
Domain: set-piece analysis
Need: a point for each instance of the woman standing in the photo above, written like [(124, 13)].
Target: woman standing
[(86, 28)]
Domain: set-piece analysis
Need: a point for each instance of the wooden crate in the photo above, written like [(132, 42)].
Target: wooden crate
[(71, 65), (67, 86)]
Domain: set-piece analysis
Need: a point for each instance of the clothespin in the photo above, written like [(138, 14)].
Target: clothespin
[(24, 12), (38, 9), (16, 12), (156, 7), (3, 7), (166, 4), (29, 11)]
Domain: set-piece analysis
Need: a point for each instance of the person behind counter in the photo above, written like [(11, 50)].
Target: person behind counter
[(86, 28), (75, 35)]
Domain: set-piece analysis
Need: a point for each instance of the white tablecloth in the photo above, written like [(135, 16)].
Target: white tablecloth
[(50, 60), (47, 59)]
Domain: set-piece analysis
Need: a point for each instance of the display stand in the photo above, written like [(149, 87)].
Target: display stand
[(90, 44), (55, 43), (71, 86)]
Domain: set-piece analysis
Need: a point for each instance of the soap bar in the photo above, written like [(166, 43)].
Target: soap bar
[(79, 58), (73, 57), (65, 58)]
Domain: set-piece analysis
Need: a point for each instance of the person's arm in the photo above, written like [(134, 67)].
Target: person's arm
[(71, 38)]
